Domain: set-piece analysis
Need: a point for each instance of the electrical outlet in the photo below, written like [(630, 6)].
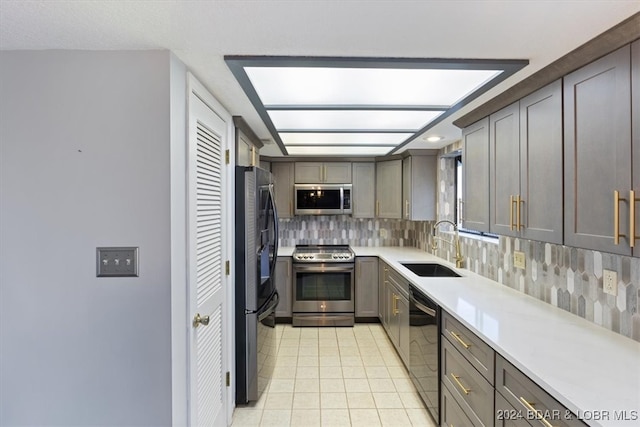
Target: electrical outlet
[(519, 260), (117, 262), (383, 233), (610, 282)]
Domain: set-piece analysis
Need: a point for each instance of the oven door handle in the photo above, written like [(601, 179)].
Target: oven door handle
[(322, 269)]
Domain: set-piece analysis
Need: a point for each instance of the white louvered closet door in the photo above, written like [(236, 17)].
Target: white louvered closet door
[(207, 400)]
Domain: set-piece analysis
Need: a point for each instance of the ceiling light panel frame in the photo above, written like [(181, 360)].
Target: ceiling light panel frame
[(244, 66)]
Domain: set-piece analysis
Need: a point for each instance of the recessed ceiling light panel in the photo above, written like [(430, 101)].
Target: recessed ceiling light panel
[(351, 119), (324, 150), (298, 96), (364, 86), (337, 138)]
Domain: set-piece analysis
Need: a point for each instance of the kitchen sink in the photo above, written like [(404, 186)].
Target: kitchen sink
[(430, 269)]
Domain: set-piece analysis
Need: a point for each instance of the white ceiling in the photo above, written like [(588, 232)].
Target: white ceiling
[(200, 33)]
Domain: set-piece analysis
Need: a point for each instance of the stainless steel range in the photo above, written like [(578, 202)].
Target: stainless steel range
[(323, 286)]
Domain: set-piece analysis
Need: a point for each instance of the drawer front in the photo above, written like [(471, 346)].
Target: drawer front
[(399, 282), (479, 354), (472, 391), (507, 415), (526, 396), (452, 414)]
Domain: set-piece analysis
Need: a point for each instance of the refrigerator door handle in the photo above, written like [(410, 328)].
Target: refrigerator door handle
[(271, 308), (272, 202)]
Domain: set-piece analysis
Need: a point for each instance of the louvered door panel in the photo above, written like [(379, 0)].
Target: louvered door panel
[(209, 361), (209, 212), (207, 139)]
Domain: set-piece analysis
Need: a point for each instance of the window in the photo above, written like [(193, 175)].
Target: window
[(458, 195), (458, 200)]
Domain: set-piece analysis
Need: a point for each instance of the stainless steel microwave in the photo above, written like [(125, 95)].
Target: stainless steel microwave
[(322, 199)]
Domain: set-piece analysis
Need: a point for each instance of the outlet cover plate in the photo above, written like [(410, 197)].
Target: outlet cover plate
[(117, 262), (519, 260), (610, 282)]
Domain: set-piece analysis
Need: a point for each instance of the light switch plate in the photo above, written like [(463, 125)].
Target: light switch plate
[(117, 262), (519, 260), (610, 282)]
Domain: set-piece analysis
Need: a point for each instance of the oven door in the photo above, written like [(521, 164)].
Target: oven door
[(323, 288)]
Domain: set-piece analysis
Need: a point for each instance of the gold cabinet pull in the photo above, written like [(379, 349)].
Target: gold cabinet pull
[(459, 339), (632, 218), (616, 217), (456, 378), (377, 207), (519, 202), (395, 305), (539, 415), (511, 226), (406, 208)]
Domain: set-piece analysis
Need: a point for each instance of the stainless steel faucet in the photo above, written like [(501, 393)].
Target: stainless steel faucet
[(455, 243)]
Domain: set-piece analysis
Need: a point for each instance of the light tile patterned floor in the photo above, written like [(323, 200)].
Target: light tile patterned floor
[(335, 377)]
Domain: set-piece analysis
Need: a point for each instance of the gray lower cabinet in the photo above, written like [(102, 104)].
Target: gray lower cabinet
[(383, 271), (419, 183), (467, 386), (389, 189), (529, 399), (598, 152), (395, 315), (475, 197), (366, 287), (507, 415), (451, 414), (283, 188), (478, 353), (284, 286), (363, 193)]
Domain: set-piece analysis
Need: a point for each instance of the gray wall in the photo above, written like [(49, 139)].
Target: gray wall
[(84, 162)]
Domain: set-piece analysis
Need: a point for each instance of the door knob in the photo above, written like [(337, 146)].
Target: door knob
[(200, 320)]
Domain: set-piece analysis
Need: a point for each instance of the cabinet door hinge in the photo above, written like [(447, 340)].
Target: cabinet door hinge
[(228, 379), (227, 268), (226, 156)]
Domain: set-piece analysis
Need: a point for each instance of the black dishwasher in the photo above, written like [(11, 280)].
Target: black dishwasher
[(424, 355)]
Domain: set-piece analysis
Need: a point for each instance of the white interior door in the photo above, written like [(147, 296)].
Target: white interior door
[(208, 339)]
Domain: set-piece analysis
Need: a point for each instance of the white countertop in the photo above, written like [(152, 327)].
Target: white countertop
[(587, 368)]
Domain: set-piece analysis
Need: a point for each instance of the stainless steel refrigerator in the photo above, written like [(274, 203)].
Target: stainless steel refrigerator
[(256, 295)]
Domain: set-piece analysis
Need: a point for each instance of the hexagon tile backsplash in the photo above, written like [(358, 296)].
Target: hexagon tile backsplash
[(568, 278)]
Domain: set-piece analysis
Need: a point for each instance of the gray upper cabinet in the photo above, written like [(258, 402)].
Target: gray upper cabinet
[(364, 190), (541, 195), (389, 189), (475, 152), (504, 167), (635, 123), (419, 183), (283, 188), (247, 144), (526, 166), (597, 153), (321, 172)]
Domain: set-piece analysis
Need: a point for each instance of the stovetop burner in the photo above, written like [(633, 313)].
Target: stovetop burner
[(323, 253)]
